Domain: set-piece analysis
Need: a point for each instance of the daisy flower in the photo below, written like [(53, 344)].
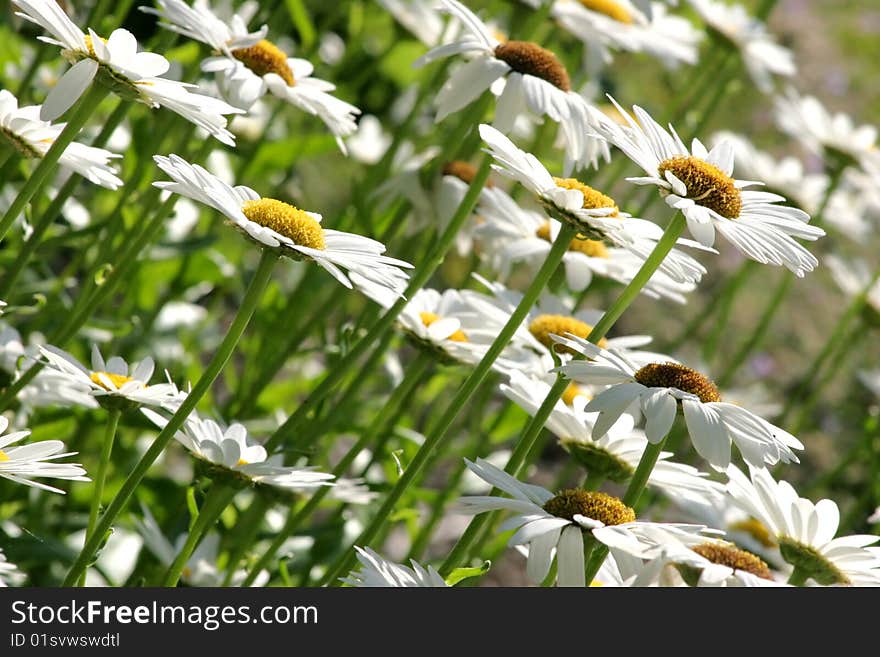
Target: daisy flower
[(533, 79), (376, 571), (606, 25), (248, 66), (762, 56), (32, 137), (116, 63), (24, 463), (806, 531), (699, 183), (614, 455), (660, 389), (273, 224), (833, 136), (231, 451), (9, 572), (595, 215), (113, 383), (511, 235), (550, 523), (785, 176)]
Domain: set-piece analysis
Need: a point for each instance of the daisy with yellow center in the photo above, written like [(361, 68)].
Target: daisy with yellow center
[(616, 454), (116, 63), (660, 389), (24, 464), (248, 66), (595, 215), (22, 128), (700, 184), (113, 383), (806, 532), (535, 82), (547, 522), (275, 224), (231, 449), (605, 26), (511, 236)]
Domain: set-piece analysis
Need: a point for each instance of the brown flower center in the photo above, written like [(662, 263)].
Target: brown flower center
[(599, 506), (429, 318), (531, 59), (591, 248), (293, 223), (543, 325), (733, 557), (673, 375), (610, 8), (118, 380), (706, 184), (265, 57), (464, 171)]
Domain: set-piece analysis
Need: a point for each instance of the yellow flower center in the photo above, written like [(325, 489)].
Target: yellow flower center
[(531, 59), (755, 529), (90, 45), (464, 171), (265, 57), (240, 463), (592, 199), (295, 224), (573, 390), (117, 380), (593, 504), (591, 248), (3, 456), (673, 375), (706, 184), (610, 8), (430, 318), (543, 325), (731, 556)]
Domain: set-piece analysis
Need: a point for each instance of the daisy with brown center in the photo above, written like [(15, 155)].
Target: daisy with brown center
[(660, 389), (699, 183), (614, 456), (117, 64), (247, 65), (806, 532), (114, 384), (554, 525), (511, 235), (607, 25), (274, 224), (534, 81), (595, 215)]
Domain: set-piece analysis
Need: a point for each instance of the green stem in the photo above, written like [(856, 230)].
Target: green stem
[(414, 376), (436, 437), (101, 475), (84, 110), (245, 311), (246, 529), (533, 429), (798, 577), (418, 280), (216, 501)]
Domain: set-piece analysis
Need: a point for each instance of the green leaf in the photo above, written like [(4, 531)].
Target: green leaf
[(302, 22), (464, 573)]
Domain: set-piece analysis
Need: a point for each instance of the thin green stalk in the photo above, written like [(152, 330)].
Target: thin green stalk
[(245, 311), (82, 112), (246, 529), (798, 577), (413, 377), (101, 475), (533, 429), (418, 280), (217, 499), (436, 437)]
